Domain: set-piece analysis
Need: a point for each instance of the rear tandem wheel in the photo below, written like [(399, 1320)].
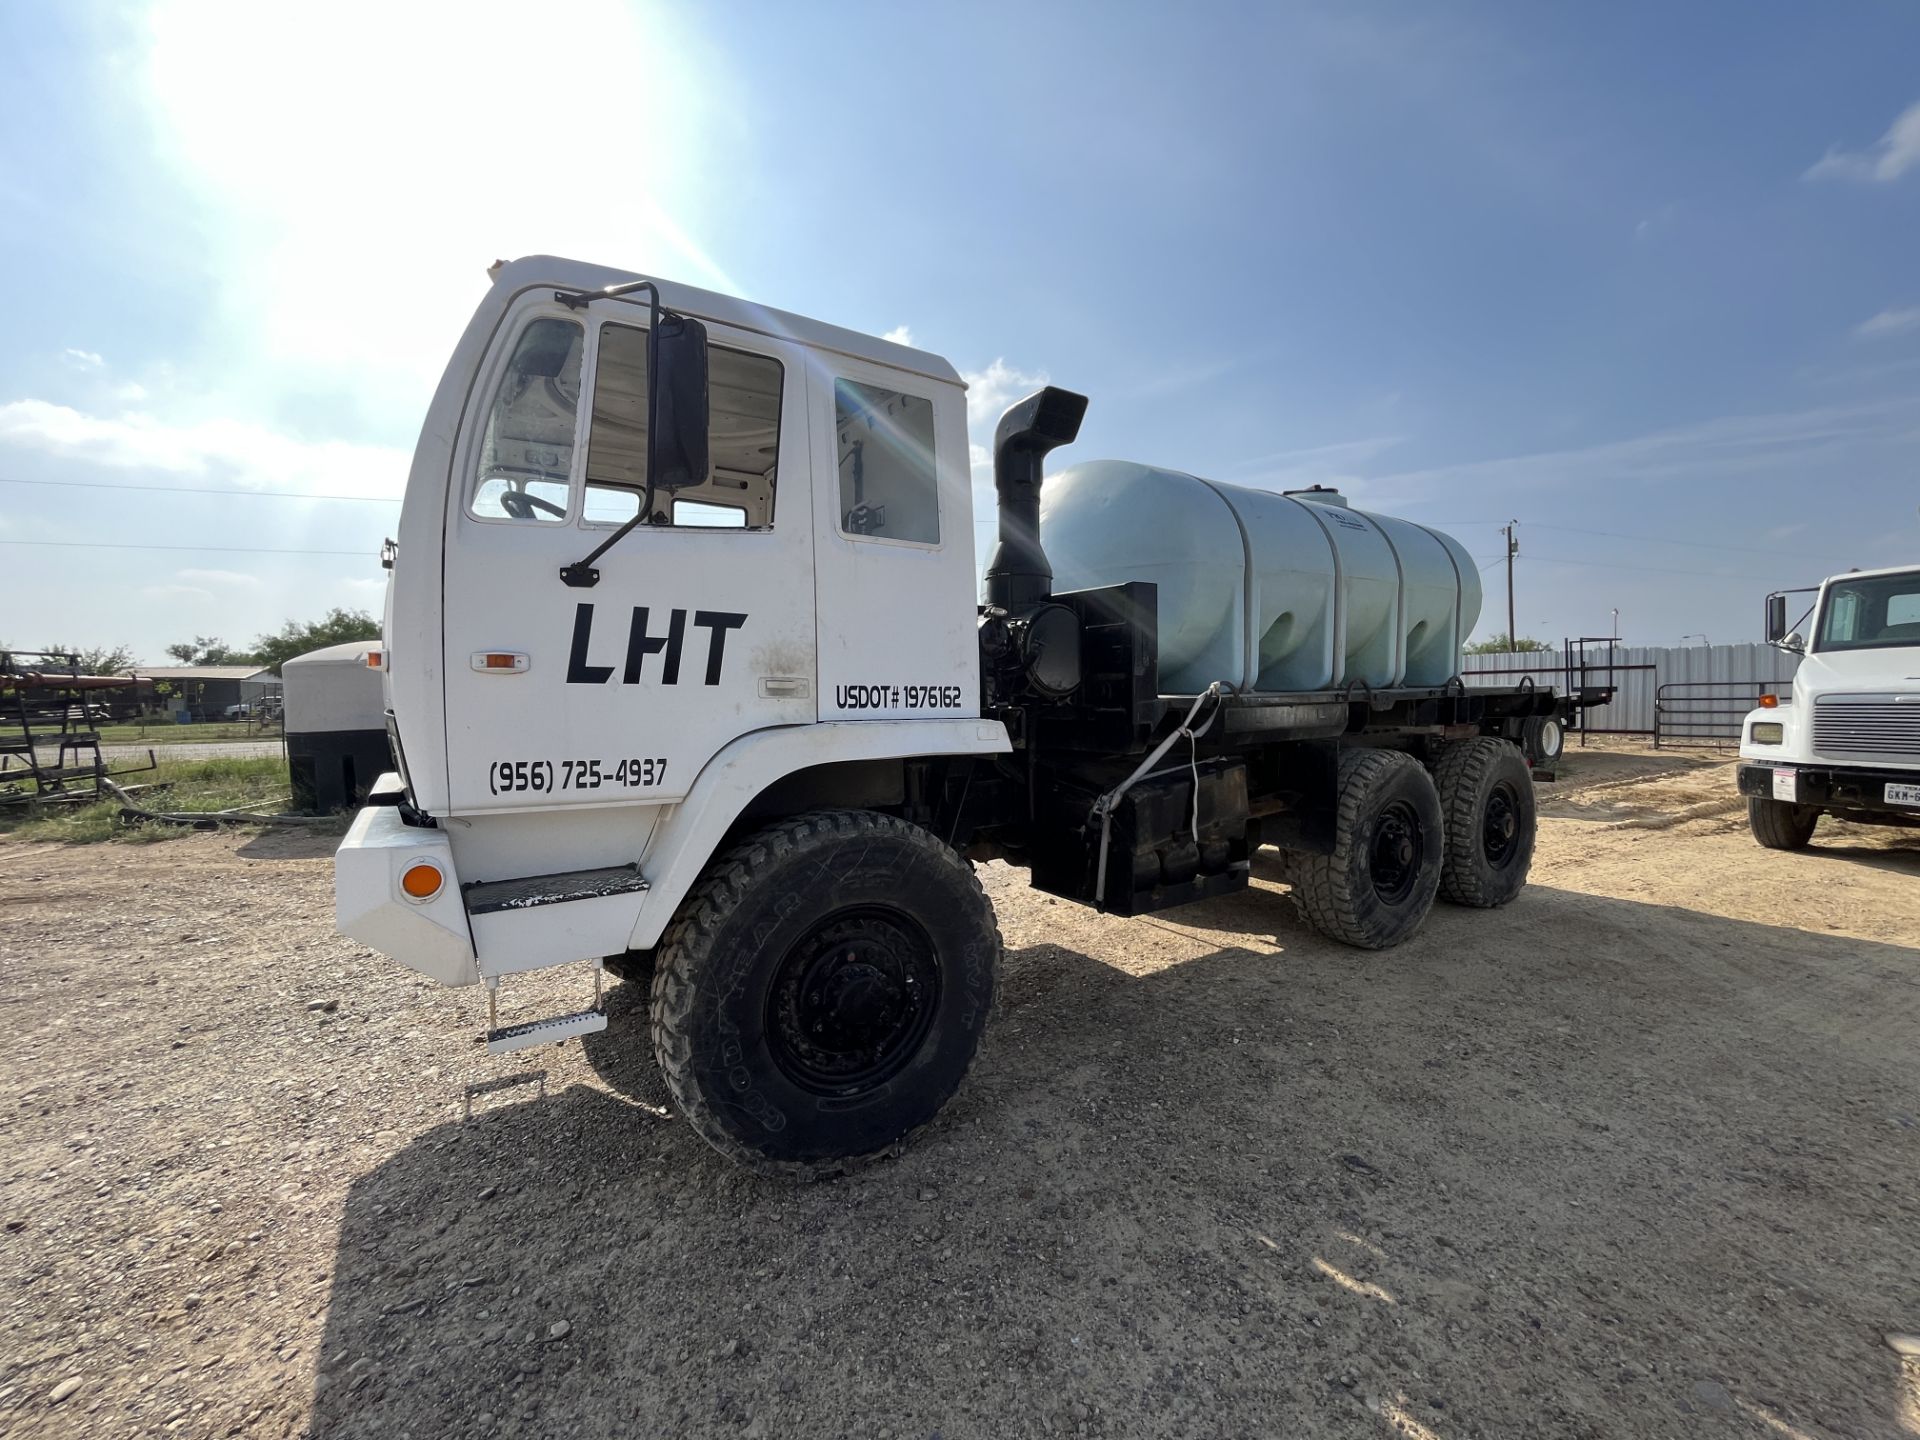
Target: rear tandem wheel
[(1378, 884)]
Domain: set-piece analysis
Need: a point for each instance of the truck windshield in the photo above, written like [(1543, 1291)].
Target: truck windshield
[(1876, 612)]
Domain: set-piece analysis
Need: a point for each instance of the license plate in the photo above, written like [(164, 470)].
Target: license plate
[(1786, 785), (1903, 794)]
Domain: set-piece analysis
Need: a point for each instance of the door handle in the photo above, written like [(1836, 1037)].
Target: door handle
[(502, 662), (784, 687)]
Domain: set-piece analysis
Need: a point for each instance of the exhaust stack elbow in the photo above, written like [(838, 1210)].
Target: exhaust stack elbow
[(1018, 574)]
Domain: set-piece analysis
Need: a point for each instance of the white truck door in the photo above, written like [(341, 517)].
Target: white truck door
[(702, 625), (894, 512)]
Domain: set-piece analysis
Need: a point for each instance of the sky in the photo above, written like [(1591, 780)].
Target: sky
[(1642, 278)]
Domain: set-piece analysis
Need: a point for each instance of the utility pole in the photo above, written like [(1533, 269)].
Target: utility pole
[(1513, 549)]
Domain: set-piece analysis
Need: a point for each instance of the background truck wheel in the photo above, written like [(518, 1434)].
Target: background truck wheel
[(1543, 738), (823, 991), (1378, 884), (1779, 825), (1486, 795)]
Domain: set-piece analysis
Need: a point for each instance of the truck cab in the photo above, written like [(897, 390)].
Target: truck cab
[(1846, 742)]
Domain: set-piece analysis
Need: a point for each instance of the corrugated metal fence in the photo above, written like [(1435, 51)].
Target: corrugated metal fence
[(1678, 695)]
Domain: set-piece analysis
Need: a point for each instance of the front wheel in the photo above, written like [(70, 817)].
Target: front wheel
[(823, 991), (1378, 884), (1779, 825)]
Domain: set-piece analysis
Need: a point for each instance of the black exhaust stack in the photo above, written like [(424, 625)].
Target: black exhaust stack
[(1018, 576)]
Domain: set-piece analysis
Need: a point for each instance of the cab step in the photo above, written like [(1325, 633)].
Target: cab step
[(505, 1039), (550, 1031), (487, 897)]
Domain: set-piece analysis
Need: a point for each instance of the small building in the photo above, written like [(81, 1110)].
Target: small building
[(336, 724), (211, 692)]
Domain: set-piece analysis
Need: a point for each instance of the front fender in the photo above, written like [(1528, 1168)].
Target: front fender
[(685, 839)]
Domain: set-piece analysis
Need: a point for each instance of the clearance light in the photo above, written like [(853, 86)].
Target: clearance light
[(501, 662), (1768, 732), (1769, 702), (422, 880), (373, 659)]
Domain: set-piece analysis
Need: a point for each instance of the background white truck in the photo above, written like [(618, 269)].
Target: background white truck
[(1846, 741), (688, 676)]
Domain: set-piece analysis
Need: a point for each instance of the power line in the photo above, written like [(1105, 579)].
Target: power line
[(199, 490), (1663, 540), (221, 549), (1650, 569)]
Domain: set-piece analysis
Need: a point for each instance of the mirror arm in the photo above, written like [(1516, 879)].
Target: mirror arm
[(582, 575)]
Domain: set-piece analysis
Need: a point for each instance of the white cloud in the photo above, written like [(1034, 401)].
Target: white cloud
[(989, 393), (1733, 447), (992, 390), (175, 592), (83, 359), (899, 335), (1888, 322), (230, 449), (221, 577), (1886, 160), (132, 392)]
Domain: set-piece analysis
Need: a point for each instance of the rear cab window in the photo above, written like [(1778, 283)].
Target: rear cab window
[(889, 483)]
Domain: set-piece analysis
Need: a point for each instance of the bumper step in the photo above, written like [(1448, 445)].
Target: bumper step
[(486, 897)]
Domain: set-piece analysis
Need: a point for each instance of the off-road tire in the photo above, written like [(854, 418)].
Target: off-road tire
[(1543, 738), (1338, 893), (725, 986), (1487, 799), (1779, 824)]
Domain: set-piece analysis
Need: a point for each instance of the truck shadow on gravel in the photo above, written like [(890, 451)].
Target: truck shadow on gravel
[(1575, 1168)]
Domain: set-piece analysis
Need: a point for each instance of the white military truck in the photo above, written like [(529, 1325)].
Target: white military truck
[(1846, 741), (688, 677)]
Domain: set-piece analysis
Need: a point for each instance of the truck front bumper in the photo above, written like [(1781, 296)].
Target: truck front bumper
[(1849, 791), (429, 934)]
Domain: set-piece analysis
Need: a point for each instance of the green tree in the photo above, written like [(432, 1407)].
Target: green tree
[(338, 627), (100, 660), (210, 650), (1504, 644)]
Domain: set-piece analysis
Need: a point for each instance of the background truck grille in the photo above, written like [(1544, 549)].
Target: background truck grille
[(1881, 728)]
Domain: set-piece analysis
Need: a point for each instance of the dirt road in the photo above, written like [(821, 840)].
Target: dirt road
[(1637, 1156)]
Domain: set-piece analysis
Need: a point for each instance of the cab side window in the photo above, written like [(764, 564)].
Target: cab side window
[(743, 422), (889, 486)]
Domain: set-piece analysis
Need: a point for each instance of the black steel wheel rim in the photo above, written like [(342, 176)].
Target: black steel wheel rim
[(853, 1000), (1393, 859), (1500, 827)]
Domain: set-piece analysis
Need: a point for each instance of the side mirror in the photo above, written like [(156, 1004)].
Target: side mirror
[(1776, 618), (677, 450)]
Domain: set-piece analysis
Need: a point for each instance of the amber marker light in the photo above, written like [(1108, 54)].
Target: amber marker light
[(1769, 702), (422, 880)]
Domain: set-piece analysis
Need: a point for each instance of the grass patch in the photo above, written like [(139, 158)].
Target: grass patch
[(227, 784)]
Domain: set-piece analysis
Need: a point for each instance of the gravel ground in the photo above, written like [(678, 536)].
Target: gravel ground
[(1633, 1157)]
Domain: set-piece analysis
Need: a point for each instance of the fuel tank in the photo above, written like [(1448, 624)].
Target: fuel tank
[(1260, 590)]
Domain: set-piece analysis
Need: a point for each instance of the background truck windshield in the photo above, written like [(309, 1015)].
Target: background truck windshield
[(1871, 614)]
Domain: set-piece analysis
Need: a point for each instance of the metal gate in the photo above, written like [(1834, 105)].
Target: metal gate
[(1706, 714)]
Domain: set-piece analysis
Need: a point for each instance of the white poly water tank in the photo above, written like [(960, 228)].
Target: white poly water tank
[(1265, 591)]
